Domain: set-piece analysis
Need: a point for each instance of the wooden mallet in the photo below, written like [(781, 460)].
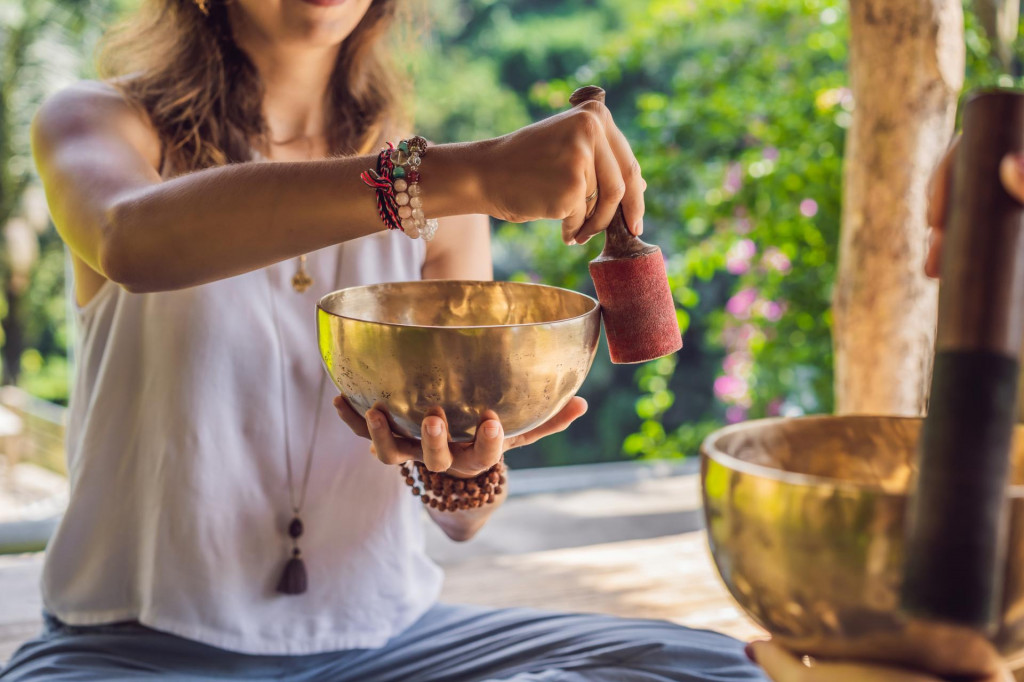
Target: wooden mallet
[(632, 286), (956, 544)]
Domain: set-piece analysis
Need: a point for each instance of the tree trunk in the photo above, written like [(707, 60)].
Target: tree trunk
[(906, 72)]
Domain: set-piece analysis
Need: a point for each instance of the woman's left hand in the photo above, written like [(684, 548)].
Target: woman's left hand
[(459, 459), (783, 666)]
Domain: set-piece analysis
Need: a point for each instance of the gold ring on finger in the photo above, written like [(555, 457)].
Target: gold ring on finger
[(591, 196)]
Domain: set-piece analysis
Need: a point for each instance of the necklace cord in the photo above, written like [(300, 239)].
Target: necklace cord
[(296, 506)]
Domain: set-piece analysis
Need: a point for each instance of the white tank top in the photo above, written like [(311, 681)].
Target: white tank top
[(179, 507)]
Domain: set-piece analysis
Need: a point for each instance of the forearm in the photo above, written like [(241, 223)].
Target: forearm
[(462, 525), (225, 221)]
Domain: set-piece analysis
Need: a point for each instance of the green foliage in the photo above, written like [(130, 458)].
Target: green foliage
[(737, 113), (44, 45), (742, 150), (983, 67), (737, 110), (45, 371)]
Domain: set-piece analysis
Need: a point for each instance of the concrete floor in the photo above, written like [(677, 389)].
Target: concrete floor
[(645, 509), (530, 528)]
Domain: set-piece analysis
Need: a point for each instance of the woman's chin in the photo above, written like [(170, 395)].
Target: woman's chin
[(323, 23), (324, 3)]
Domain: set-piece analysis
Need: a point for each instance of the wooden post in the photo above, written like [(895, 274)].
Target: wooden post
[(906, 72)]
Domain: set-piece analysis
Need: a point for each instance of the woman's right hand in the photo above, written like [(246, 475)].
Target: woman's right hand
[(548, 169), (782, 666), (1011, 174)]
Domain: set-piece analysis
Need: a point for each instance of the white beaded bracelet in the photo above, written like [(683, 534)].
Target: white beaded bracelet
[(407, 157)]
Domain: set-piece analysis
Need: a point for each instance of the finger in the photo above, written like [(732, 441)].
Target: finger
[(938, 188), (389, 450), (1011, 172), (351, 418), (611, 188), (487, 448), (574, 409), (783, 666), (779, 664), (572, 223), (633, 205), (434, 434)]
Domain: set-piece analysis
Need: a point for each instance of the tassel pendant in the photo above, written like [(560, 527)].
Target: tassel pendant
[(293, 579)]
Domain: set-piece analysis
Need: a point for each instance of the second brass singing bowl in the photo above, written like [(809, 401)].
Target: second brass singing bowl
[(806, 522), (521, 350)]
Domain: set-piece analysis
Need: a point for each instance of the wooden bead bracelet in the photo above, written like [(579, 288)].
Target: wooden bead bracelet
[(396, 181), (449, 493)]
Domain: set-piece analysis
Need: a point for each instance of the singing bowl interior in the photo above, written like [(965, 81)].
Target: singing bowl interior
[(805, 521), (521, 350)]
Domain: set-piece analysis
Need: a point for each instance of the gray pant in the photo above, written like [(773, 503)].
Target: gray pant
[(449, 644)]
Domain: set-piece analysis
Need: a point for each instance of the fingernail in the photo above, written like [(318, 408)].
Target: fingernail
[(491, 430), (749, 651), (433, 429), (572, 242), (638, 229), (373, 418)]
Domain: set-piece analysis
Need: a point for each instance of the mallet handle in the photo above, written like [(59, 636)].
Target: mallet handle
[(958, 515)]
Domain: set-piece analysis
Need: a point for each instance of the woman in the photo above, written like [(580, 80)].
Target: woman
[(216, 528)]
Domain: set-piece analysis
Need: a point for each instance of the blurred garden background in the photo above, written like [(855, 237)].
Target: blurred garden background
[(737, 109)]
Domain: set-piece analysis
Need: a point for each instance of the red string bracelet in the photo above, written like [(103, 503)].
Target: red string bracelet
[(381, 181)]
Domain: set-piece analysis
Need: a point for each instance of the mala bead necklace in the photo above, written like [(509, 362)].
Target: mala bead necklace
[(450, 493)]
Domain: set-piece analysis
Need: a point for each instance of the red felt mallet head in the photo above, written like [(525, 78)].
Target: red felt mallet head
[(632, 286)]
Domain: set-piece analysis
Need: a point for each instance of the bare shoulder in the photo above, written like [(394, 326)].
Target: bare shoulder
[(90, 109)]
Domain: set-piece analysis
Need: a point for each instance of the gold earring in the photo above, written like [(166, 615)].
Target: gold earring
[(203, 7)]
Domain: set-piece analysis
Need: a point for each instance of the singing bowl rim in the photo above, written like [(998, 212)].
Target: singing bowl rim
[(709, 449), (595, 306)]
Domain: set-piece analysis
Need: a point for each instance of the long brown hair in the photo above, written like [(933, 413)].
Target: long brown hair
[(204, 96)]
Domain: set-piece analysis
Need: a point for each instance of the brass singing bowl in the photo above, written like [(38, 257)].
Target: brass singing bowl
[(521, 350), (806, 521)]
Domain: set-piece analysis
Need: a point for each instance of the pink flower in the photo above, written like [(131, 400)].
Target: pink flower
[(733, 178), (744, 225), (730, 389), (769, 310), (770, 153), (737, 260), (745, 333), (809, 208), (737, 363), (774, 408), (739, 305), (846, 98), (775, 259), (734, 414)]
